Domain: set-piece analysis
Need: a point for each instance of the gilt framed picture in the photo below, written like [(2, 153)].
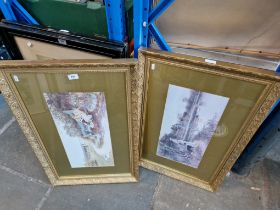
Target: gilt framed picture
[(200, 114), (32, 42), (81, 118)]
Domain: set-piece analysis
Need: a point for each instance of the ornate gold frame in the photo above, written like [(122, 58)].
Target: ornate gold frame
[(134, 101), (249, 127)]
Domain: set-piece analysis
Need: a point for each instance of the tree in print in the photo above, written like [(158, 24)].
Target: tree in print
[(82, 123), (80, 113), (189, 137)]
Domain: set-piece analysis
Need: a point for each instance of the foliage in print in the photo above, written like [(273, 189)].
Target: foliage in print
[(185, 137), (81, 120)]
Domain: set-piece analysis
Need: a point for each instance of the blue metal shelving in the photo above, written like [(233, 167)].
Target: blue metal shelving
[(144, 24), (13, 11), (115, 13)]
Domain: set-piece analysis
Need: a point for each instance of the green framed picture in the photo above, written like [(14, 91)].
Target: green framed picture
[(81, 118), (200, 114)]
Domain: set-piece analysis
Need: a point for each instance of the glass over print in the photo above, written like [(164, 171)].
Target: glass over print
[(189, 121), (82, 123), (199, 117), (79, 121)]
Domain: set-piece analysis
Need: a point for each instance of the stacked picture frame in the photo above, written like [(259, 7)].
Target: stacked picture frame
[(96, 121), (33, 42)]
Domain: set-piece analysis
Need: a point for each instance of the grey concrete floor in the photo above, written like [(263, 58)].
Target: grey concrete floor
[(24, 186)]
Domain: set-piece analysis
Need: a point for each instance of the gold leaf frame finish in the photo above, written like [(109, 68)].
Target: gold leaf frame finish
[(134, 101), (269, 96)]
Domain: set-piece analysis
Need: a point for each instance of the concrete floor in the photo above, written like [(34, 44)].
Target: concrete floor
[(24, 186)]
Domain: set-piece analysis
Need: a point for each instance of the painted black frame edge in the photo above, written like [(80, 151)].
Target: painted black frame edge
[(96, 45)]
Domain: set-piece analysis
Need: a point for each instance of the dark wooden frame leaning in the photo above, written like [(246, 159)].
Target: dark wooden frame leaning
[(97, 45)]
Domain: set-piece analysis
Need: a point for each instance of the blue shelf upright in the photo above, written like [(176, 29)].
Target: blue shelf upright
[(278, 68), (13, 11), (144, 16), (115, 14), (7, 10)]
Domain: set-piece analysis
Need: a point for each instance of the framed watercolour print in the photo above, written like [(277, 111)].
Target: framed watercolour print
[(198, 115), (31, 42), (80, 117)]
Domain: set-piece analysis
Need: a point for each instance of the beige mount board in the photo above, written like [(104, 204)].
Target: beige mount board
[(37, 50)]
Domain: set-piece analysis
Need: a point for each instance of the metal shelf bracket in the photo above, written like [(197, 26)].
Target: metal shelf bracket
[(144, 27)]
